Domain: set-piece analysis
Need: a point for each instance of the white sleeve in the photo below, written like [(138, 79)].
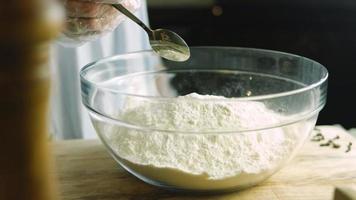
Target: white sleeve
[(69, 118)]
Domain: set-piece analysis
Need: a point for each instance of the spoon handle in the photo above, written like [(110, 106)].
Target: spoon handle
[(128, 14)]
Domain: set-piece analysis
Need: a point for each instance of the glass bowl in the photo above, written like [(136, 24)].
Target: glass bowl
[(281, 95)]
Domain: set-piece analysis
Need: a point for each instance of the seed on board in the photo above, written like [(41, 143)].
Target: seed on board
[(318, 137), (326, 144), (348, 147), (336, 137), (335, 146)]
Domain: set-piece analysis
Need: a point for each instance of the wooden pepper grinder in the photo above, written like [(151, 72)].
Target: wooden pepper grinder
[(26, 30)]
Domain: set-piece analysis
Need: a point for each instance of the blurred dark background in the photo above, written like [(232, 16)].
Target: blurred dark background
[(323, 30)]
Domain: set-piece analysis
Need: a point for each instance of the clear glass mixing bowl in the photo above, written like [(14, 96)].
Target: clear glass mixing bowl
[(290, 86)]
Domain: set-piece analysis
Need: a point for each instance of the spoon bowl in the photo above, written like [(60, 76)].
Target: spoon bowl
[(169, 45)]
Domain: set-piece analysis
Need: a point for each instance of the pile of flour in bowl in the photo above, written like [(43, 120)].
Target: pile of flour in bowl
[(202, 160)]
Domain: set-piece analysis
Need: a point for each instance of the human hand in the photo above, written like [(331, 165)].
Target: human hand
[(86, 20)]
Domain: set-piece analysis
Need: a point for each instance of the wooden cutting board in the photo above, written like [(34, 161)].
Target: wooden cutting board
[(86, 171)]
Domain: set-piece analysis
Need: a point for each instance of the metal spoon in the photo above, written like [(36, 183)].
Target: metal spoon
[(164, 42)]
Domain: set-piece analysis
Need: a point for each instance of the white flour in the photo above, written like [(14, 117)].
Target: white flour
[(202, 161)]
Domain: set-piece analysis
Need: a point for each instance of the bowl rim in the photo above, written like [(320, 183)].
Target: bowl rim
[(250, 98)]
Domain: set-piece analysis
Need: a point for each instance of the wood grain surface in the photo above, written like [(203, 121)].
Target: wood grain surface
[(86, 171)]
